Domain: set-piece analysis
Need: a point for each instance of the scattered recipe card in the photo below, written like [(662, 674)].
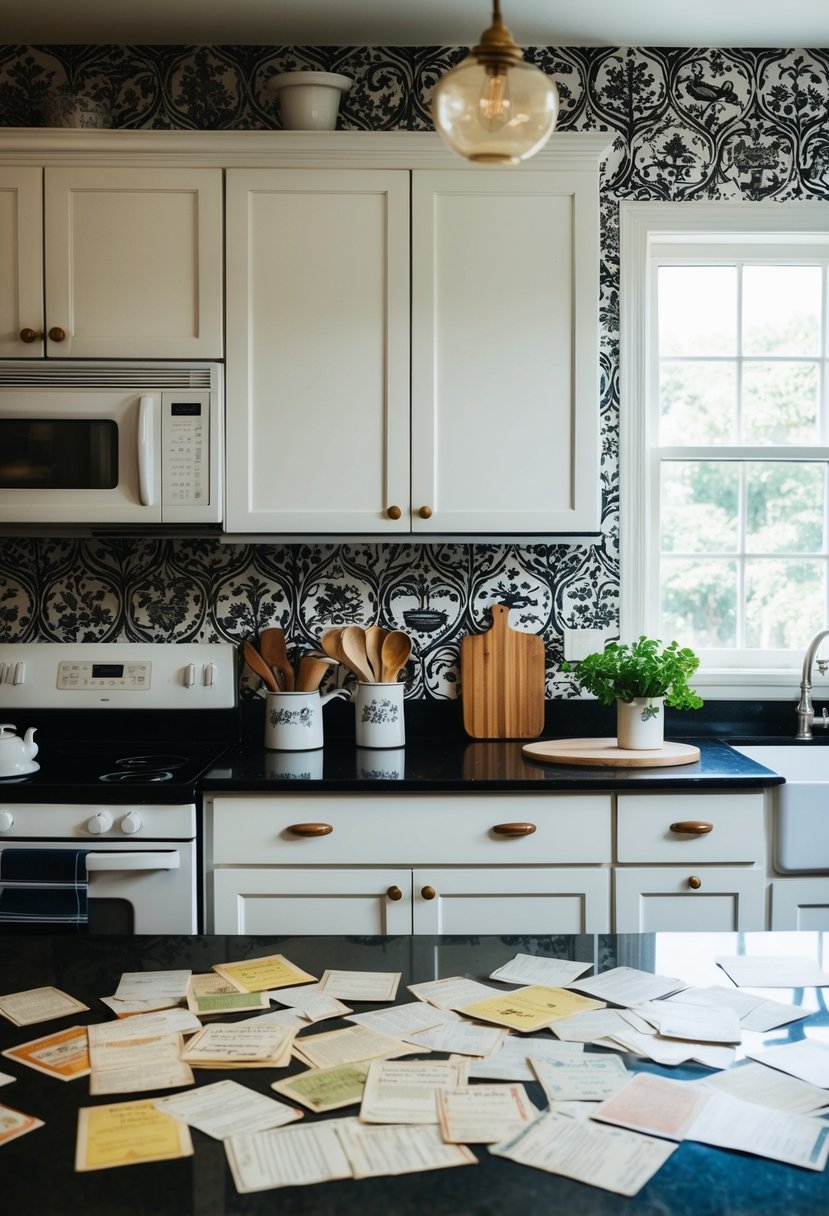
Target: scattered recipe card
[(511, 1060), (606, 1157), (376, 1151), (315, 1006), (286, 1156), (532, 969), (453, 992), (324, 1089), (333, 1047), (128, 1133), (159, 986), (807, 1059), (227, 1108), (773, 971), (14, 1123), (360, 985), (262, 974), (698, 1023), (526, 1009), (753, 1082), (588, 1078), (64, 1054), (398, 1020), (628, 986), (38, 1005), (459, 1038), (483, 1114), (240, 1045), (6, 1078), (403, 1091)]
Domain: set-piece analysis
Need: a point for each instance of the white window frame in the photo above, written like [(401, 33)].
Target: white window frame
[(642, 224)]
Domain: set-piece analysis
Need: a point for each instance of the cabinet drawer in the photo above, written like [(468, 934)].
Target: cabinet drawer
[(690, 828), (411, 829)]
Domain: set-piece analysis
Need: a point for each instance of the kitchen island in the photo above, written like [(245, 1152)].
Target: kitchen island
[(37, 1169)]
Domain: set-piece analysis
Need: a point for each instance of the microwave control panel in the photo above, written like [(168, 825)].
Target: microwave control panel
[(185, 443)]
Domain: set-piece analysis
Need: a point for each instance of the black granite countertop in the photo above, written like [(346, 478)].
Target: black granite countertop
[(37, 1170), (454, 764)]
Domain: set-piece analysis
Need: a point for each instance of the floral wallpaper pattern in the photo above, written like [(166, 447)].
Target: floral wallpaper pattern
[(687, 123)]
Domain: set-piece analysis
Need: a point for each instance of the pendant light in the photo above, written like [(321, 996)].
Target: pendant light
[(494, 106)]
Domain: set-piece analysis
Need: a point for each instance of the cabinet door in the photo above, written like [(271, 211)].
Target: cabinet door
[(21, 261), (318, 351), (251, 900), (511, 899), (505, 393), (727, 899), (134, 263), (800, 903)]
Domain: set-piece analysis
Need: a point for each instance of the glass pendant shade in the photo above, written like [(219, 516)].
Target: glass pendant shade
[(494, 106)]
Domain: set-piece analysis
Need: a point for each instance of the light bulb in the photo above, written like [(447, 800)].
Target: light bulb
[(495, 105)]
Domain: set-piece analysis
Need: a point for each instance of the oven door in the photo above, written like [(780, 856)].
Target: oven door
[(134, 887), (70, 455)]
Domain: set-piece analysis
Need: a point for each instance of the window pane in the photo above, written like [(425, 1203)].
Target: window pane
[(697, 310), (697, 402), (784, 603), (699, 601), (780, 403), (781, 310), (700, 504), (784, 507)]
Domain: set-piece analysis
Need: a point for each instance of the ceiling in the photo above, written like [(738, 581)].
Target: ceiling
[(738, 23)]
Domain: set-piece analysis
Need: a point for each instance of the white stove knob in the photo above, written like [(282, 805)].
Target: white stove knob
[(6, 821), (100, 822), (131, 823)]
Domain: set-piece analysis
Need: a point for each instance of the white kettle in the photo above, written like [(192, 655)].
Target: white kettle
[(17, 756)]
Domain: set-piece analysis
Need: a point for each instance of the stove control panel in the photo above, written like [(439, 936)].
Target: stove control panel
[(135, 676)]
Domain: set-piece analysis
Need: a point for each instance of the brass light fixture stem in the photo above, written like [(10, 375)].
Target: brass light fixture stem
[(497, 49)]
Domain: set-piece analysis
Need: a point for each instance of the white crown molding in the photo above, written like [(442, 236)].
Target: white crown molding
[(570, 152)]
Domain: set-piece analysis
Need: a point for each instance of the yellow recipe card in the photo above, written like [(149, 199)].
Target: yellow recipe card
[(530, 1008), (262, 974), (128, 1133)]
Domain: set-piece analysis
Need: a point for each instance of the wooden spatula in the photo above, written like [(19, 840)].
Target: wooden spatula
[(259, 667), (274, 652)]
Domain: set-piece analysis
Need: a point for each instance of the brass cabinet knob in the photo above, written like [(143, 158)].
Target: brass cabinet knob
[(425, 512), (56, 334), (513, 829), (694, 882), (692, 827), (29, 335), (428, 892), (310, 829), (394, 512), (394, 893)]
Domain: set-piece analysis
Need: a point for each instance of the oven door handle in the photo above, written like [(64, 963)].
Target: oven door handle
[(95, 862)]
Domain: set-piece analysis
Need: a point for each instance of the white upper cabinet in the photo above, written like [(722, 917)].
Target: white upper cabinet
[(505, 352), (112, 263), (459, 397), (317, 350)]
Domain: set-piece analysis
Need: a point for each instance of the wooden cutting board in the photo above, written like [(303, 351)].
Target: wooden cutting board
[(600, 752), (502, 681)]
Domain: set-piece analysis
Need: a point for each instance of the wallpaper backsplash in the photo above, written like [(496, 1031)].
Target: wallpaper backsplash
[(686, 123)]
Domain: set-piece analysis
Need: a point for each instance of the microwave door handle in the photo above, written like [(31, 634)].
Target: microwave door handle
[(95, 862), (145, 451)]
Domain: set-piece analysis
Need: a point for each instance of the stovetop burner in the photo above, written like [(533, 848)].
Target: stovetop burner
[(128, 776), (151, 762)]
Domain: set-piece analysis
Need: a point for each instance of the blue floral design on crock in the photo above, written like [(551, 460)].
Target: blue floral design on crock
[(291, 717), (381, 712)]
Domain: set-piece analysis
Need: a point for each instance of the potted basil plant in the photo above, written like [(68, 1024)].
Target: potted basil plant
[(640, 678)]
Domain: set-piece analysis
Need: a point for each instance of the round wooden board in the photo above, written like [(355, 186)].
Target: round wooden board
[(599, 752)]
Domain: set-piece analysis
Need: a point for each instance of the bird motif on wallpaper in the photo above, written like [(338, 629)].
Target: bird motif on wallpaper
[(703, 90)]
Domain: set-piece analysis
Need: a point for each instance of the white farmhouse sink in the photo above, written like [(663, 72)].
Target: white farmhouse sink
[(801, 810)]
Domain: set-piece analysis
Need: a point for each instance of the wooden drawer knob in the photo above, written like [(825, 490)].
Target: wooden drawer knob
[(428, 892), (694, 882), (394, 893), (513, 829), (692, 827), (310, 829), (56, 334), (425, 512), (394, 512), (29, 335)]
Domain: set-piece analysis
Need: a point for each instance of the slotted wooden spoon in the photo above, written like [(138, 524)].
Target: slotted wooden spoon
[(259, 667), (395, 653), (274, 652)]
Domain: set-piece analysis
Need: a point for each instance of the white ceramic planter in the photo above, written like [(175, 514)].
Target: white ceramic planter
[(310, 101), (640, 723)]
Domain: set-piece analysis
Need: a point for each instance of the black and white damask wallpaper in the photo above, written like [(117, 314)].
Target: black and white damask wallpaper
[(685, 123)]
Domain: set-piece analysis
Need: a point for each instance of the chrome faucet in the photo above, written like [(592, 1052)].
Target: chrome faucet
[(805, 708)]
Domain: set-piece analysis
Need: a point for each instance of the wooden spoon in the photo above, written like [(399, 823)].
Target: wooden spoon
[(330, 642), (310, 672), (275, 654), (353, 649), (397, 648), (375, 635), (259, 667)]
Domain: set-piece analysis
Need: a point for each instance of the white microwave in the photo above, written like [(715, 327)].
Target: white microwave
[(111, 443)]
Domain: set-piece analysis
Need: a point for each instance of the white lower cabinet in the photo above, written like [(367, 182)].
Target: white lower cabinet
[(369, 864), (727, 899), (800, 903)]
